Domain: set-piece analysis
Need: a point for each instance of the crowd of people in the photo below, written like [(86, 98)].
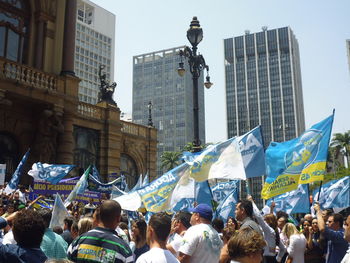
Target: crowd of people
[(104, 233)]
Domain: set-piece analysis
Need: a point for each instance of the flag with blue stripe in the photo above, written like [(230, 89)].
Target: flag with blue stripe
[(145, 181), (52, 173), (298, 161), (12, 185), (227, 207), (334, 194), (203, 193)]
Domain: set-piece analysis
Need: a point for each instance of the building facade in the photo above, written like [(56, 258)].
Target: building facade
[(348, 51), (155, 80), (263, 87), (39, 105), (94, 46)]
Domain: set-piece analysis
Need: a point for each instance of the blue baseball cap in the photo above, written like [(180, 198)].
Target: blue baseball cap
[(203, 210)]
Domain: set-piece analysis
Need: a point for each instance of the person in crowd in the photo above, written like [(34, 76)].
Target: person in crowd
[(102, 242), (308, 217), (296, 244), (315, 243), (67, 236), (57, 230), (53, 245), (85, 224), (22, 193), (334, 233), (325, 214), (201, 242), (271, 235), (9, 209), (246, 246), (8, 237), (227, 233), (346, 258), (179, 226), (232, 223), (28, 230), (218, 225), (74, 231), (139, 245), (124, 226), (90, 207), (157, 233), (244, 214)]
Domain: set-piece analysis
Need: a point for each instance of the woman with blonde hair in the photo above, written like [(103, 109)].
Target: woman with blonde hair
[(85, 224), (296, 244)]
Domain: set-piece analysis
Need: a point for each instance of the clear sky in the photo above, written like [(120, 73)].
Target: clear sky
[(320, 26)]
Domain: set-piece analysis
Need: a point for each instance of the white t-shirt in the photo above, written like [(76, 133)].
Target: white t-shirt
[(157, 255), (202, 243), (176, 243), (297, 247), (9, 238)]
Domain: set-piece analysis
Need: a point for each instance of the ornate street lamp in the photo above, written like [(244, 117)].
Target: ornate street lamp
[(150, 107), (197, 65)]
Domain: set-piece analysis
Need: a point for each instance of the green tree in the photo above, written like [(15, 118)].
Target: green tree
[(169, 160), (189, 146), (341, 143)]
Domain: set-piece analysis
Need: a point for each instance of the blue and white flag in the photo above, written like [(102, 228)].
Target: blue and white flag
[(52, 173), (252, 150), (227, 207), (334, 194), (95, 173), (122, 184), (138, 184), (296, 201), (12, 185), (221, 190), (59, 213), (145, 181), (95, 185), (203, 193), (298, 161), (79, 188)]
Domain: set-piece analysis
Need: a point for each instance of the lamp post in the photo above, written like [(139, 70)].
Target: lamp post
[(197, 65), (150, 107)]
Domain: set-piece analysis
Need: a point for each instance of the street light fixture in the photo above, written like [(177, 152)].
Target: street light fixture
[(197, 65), (150, 107)]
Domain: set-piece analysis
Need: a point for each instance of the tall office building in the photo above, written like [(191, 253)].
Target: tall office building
[(94, 46), (155, 79), (263, 86)]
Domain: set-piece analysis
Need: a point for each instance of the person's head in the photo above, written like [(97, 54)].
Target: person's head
[(110, 211), (84, 225), (158, 228), (271, 220), (74, 231), (232, 223), (218, 224), (244, 209), (202, 213), (22, 188), (306, 224), (16, 196), (139, 228), (68, 221), (347, 229), (10, 208), (281, 222), (96, 217), (325, 214), (308, 217), (289, 229), (76, 215), (246, 245), (335, 221), (28, 228), (181, 221), (314, 225), (57, 230), (46, 215), (227, 233)]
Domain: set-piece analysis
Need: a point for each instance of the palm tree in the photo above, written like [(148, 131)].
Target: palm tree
[(341, 142), (169, 160), (189, 146)]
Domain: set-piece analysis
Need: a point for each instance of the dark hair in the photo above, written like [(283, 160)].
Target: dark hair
[(338, 218), (28, 228), (57, 230), (142, 227), (280, 214), (161, 224), (69, 221), (218, 224), (46, 214), (184, 217), (247, 206), (227, 233), (234, 221), (109, 210)]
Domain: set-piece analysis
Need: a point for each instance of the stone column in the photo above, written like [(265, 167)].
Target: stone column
[(69, 38), (39, 48)]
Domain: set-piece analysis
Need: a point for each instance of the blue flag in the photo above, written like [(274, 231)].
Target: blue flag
[(145, 181), (203, 193), (59, 213), (95, 185), (227, 207), (12, 185), (52, 173), (221, 190), (138, 184), (296, 201), (298, 161), (334, 194)]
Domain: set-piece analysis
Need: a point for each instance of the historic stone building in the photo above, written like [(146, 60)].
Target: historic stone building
[(39, 106)]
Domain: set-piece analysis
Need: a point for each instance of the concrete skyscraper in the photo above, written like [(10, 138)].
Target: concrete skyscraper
[(94, 46), (263, 86), (155, 79)]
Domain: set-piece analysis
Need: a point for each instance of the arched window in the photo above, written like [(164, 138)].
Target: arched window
[(14, 27), (8, 154), (128, 168)]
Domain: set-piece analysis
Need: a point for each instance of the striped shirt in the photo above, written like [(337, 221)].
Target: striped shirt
[(100, 245)]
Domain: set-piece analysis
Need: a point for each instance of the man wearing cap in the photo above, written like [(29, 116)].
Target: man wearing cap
[(201, 243)]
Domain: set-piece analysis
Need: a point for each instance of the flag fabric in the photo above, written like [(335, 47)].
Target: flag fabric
[(2, 173), (129, 201), (145, 181), (52, 173), (227, 207), (334, 194), (12, 185), (138, 184), (252, 150), (95, 173), (79, 188), (42, 204), (298, 161), (296, 201), (95, 185), (59, 213), (203, 193), (116, 192), (221, 190)]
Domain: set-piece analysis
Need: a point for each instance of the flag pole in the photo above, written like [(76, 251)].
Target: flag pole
[(319, 191)]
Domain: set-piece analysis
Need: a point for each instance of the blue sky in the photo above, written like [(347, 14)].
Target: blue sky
[(320, 26)]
